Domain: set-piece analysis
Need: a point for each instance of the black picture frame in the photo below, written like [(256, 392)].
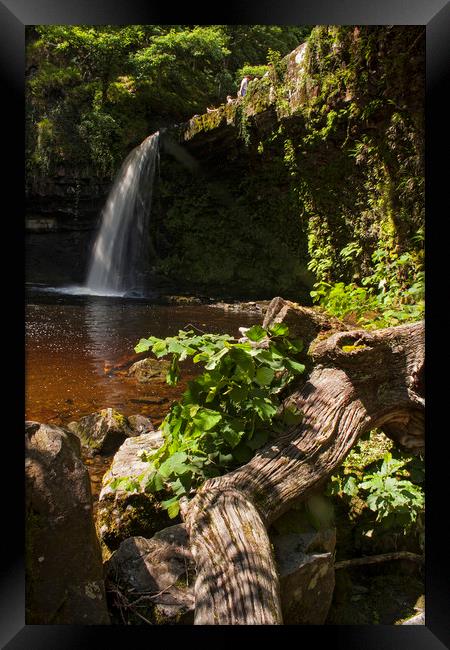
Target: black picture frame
[(14, 16)]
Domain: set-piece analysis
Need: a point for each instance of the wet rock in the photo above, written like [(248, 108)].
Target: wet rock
[(104, 432), (183, 300), (64, 575), (121, 513), (140, 424), (259, 307), (149, 369), (154, 577), (305, 561)]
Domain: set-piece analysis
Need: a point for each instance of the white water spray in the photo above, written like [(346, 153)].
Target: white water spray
[(121, 249)]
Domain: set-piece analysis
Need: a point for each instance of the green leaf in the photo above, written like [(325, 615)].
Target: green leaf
[(351, 487), (244, 361), (294, 345), (159, 349), (232, 433), (270, 358), (174, 346), (279, 329), (172, 506), (264, 376), (175, 464), (238, 394), (206, 419), (295, 366), (264, 407), (256, 333), (214, 360), (225, 459), (142, 346), (173, 374), (126, 484), (155, 482)]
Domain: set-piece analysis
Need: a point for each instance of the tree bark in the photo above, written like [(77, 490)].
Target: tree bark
[(359, 380)]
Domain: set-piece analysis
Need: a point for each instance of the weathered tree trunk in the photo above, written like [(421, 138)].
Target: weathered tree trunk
[(359, 380)]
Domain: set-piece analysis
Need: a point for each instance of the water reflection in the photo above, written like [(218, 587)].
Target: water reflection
[(72, 344)]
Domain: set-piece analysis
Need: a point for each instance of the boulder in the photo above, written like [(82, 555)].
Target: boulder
[(304, 541), (104, 432), (121, 513), (306, 576), (152, 580), (64, 575), (149, 369)]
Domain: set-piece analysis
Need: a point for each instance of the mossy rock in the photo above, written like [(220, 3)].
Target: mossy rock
[(121, 513), (103, 432), (149, 369)]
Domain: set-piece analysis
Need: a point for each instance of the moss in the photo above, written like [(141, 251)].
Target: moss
[(122, 516), (289, 188), (353, 348), (120, 419)]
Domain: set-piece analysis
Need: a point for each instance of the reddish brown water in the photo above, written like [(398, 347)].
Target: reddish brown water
[(70, 346), (70, 341)]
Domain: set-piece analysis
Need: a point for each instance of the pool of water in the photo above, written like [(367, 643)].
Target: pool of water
[(73, 342)]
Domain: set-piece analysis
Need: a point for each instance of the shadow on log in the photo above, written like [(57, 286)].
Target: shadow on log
[(358, 380)]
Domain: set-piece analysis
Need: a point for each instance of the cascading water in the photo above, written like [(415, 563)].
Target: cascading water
[(121, 248)]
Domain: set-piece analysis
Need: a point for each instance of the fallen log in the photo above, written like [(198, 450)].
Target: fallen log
[(358, 380), (376, 559)]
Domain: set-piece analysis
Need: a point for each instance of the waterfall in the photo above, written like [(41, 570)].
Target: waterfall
[(121, 250)]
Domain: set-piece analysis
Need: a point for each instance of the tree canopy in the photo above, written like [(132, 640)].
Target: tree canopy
[(96, 91)]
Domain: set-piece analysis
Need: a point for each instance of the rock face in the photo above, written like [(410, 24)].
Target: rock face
[(104, 432), (147, 369), (306, 575), (157, 572), (121, 513), (305, 562), (64, 576)]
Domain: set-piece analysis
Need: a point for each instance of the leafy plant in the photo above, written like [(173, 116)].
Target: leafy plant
[(341, 299), (396, 501), (391, 490), (226, 413)]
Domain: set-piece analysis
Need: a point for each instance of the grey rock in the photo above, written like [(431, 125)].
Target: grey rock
[(148, 369), (139, 424), (120, 513), (105, 431), (155, 577), (306, 578), (305, 561), (64, 575)]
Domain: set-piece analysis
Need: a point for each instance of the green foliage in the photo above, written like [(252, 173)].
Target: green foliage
[(251, 70), (127, 81), (389, 487), (227, 412), (392, 294), (340, 299)]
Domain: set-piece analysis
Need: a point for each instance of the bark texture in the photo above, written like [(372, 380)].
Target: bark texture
[(359, 380)]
